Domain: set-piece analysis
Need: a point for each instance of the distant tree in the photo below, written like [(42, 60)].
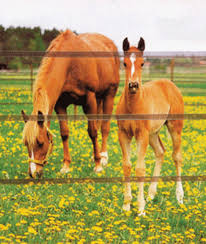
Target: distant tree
[(25, 39), (49, 35), (2, 40)]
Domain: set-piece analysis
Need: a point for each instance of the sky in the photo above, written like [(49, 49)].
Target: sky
[(177, 25)]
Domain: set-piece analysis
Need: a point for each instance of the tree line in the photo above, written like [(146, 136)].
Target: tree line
[(24, 39)]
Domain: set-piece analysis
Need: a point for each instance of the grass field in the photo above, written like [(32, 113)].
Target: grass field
[(91, 213)]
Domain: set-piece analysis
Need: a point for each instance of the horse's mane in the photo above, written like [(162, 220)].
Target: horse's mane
[(30, 133), (40, 98), (46, 62)]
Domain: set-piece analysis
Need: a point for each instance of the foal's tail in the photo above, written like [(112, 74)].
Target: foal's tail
[(167, 132)]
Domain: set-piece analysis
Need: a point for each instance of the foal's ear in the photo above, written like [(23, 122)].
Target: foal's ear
[(25, 117), (40, 119), (141, 44), (125, 45)]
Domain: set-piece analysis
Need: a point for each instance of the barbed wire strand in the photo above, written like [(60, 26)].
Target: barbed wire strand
[(103, 180)]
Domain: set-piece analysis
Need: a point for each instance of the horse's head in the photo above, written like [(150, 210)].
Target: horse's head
[(133, 62), (38, 139)]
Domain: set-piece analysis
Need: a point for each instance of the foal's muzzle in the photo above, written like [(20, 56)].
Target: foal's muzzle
[(133, 86)]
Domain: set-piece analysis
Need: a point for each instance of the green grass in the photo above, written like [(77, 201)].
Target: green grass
[(89, 213)]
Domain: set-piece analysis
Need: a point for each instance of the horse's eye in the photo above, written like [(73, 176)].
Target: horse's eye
[(40, 144), (125, 65), (142, 64)]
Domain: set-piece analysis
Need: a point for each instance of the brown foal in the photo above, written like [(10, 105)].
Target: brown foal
[(155, 97)]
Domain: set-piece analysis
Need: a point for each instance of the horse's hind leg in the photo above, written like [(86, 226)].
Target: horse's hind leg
[(175, 129), (91, 108), (157, 145), (125, 142), (108, 103), (64, 130)]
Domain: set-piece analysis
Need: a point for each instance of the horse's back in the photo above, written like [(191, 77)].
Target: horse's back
[(108, 67)]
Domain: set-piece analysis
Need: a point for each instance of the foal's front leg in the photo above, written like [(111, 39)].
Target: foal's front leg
[(142, 143), (64, 130), (91, 108), (125, 142)]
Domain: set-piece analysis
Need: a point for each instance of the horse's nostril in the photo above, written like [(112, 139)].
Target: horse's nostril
[(31, 175)]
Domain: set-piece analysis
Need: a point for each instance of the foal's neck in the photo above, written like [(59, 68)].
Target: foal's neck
[(132, 100)]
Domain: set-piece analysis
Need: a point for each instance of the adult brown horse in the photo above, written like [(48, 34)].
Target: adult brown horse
[(88, 81), (156, 97)]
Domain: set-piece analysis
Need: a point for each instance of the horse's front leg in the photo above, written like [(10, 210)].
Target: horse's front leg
[(91, 108), (142, 143), (108, 103), (64, 130)]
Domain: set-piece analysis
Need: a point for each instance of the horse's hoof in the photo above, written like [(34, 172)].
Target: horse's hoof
[(65, 170), (104, 158), (126, 207), (98, 168)]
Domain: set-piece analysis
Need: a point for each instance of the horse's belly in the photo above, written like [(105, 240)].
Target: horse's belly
[(68, 98)]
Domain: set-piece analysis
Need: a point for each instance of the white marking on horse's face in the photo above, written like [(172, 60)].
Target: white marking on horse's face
[(32, 164), (132, 59)]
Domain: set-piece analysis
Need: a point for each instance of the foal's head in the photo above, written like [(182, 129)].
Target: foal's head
[(38, 139), (133, 62)]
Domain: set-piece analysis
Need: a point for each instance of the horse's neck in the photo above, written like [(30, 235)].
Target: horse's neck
[(51, 81), (132, 100)]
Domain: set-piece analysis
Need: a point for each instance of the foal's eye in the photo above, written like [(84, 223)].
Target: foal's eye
[(40, 144), (125, 65), (142, 64)]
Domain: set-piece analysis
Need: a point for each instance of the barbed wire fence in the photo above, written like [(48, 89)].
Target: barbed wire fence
[(172, 56)]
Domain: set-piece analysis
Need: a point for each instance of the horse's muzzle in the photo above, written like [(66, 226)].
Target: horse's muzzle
[(133, 86)]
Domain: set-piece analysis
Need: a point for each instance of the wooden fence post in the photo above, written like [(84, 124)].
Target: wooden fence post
[(172, 64), (31, 76)]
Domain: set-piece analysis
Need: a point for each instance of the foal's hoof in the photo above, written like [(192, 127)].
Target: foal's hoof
[(142, 213), (151, 196), (126, 207), (65, 169), (104, 158), (98, 168)]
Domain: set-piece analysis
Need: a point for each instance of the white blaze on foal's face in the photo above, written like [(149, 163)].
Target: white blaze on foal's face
[(132, 59)]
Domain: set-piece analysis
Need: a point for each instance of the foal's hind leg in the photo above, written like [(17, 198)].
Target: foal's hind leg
[(175, 129), (157, 145), (125, 142)]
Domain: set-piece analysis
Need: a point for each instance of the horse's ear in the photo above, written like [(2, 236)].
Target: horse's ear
[(40, 119), (125, 45), (25, 117), (141, 44)]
